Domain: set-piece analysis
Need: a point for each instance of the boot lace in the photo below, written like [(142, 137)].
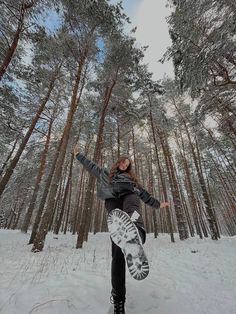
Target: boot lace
[(118, 305)]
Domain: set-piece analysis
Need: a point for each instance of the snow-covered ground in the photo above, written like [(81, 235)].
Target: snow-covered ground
[(64, 280)]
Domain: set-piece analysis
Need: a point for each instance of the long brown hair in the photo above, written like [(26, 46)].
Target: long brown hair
[(129, 170)]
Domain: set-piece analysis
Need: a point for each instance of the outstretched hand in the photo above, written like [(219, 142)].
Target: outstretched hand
[(164, 204), (76, 150)]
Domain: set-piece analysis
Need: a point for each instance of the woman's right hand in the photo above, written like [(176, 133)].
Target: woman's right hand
[(164, 204), (76, 149)]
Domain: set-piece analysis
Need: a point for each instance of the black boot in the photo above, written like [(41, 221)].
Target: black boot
[(119, 307)]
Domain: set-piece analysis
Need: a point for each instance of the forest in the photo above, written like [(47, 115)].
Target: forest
[(71, 74)]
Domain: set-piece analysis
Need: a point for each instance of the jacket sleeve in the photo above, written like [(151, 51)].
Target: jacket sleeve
[(147, 198), (89, 165)]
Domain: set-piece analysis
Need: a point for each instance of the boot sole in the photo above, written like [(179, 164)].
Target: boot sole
[(125, 234)]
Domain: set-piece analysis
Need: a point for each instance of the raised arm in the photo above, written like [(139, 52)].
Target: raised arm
[(147, 198), (89, 165)]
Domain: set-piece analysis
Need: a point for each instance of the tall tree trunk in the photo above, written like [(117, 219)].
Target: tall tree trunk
[(20, 28), (47, 217), (12, 214), (9, 156), (181, 221), (68, 209), (79, 197), (118, 137), (163, 185), (18, 214), (208, 206), (44, 196), (231, 204), (38, 181), (113, 155), (186, 212), (24, 142), (98, 217), (88, 204), (58, 200), (232, 170), (58, 225), (145, 210), (151, 189), (77, 209), (134, 153), (201, 218), (189, 186)]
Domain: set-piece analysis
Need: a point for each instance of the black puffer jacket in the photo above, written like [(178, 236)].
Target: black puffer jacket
[(120, 185)]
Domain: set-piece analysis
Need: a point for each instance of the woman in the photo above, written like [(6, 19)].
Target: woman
[(120, 189)]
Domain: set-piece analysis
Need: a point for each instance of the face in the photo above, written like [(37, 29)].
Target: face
[(123, 165)]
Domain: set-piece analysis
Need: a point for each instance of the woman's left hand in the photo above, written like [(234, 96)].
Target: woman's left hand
[(164, 204), (76, 149)]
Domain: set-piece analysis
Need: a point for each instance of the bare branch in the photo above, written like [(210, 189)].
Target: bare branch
[(44, 134), (5, 38), (13, 13)]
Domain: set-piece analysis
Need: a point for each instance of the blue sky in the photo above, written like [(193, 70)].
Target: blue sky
[(130, 5), (150, 18), (51, 20)]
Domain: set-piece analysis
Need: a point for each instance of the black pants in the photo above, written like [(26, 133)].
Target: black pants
[(128, 203)]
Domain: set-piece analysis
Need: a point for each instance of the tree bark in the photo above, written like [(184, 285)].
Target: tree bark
[(48, 214), (151, 189), (8, 157), (18, 214), (189, 187), (181, 221), (68, 209), (163, 185), (210, 218), (58, 225), (38, 180), (86, 218), (25, 140), (44, 196), (11, 50)]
